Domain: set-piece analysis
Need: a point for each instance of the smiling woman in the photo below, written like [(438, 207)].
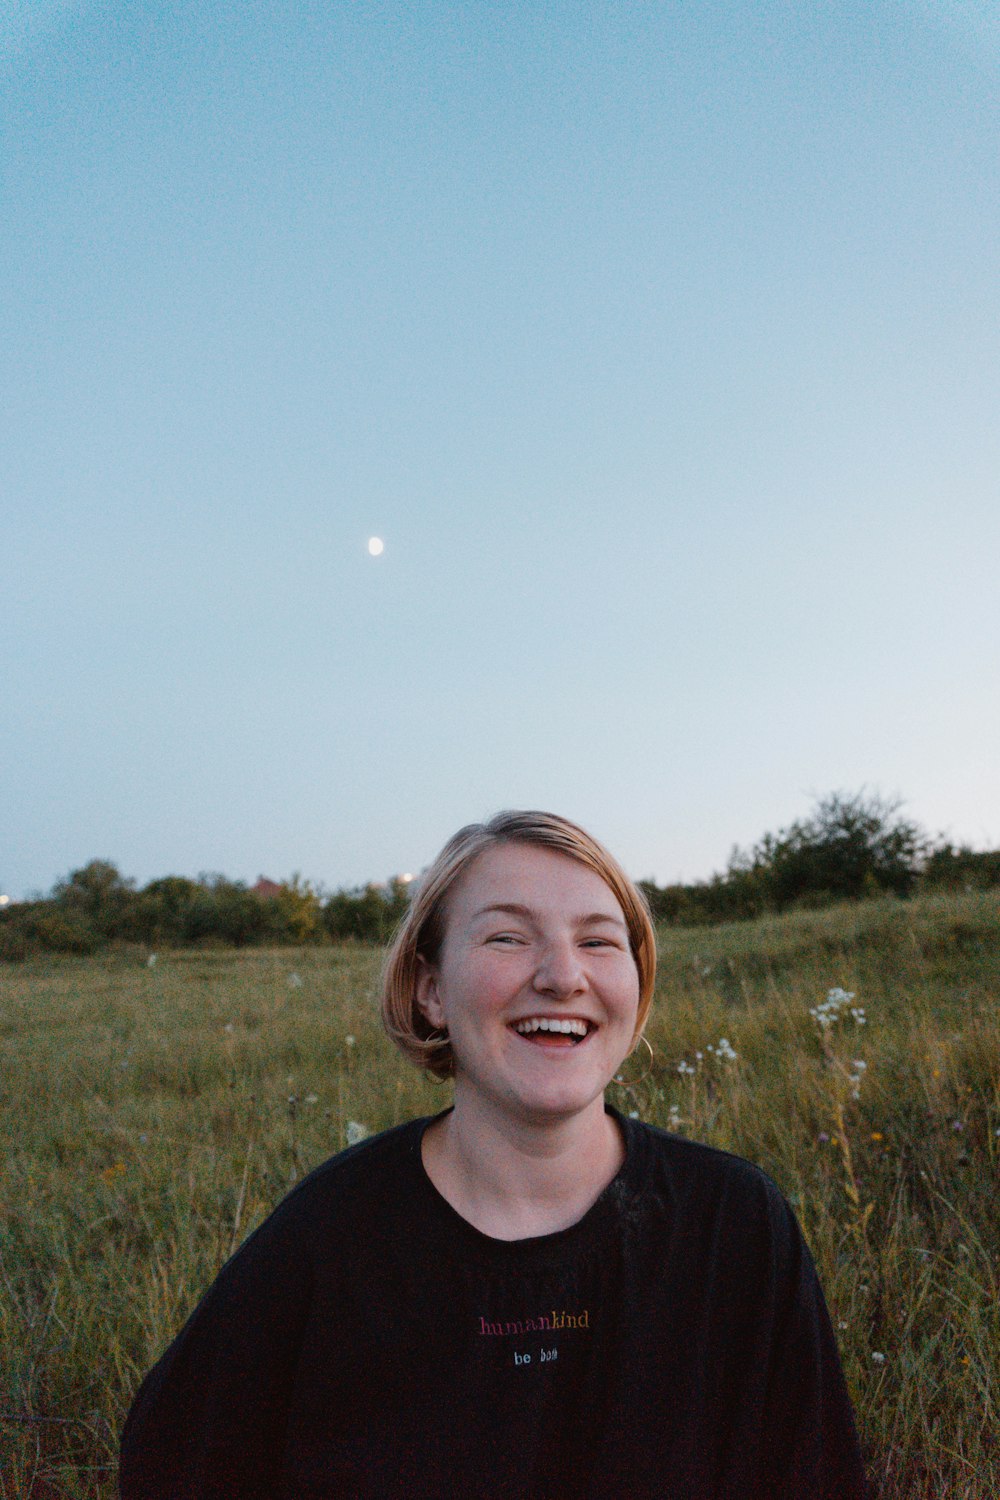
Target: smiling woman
[(528, 1295)]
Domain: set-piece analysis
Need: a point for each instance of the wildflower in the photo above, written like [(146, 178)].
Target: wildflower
[(349, 1041), (110, 1175), (295, 981), (823, 1137), (685, 1069), (876, 1135), (957, 1125), (841, 1324), (312, 1099), (228, 1028), (725, 1051), (356, 1132), (674, 1120), (151, 961), (878, 1359), (936, 1073), (832, 1009), (633, 1114)]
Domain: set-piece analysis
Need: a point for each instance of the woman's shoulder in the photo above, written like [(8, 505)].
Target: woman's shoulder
[(382, 1169), (690, 1175)]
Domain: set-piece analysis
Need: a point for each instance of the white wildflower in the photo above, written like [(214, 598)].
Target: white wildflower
[(877, 1358), (725, 1051), (356, 1132), (312, 1099), (856, 1077), (151, 961), (349, 1041), (295, 981), (836, 1005)]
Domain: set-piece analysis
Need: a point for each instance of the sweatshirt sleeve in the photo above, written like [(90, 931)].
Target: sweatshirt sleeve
[(210, 1417), (809, 1429)]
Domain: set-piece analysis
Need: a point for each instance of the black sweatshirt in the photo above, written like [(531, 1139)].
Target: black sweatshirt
[(367, 1342)]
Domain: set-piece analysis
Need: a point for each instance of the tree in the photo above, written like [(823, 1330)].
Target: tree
[(962, 869), (96, 895), (297, 912), (851, 846)]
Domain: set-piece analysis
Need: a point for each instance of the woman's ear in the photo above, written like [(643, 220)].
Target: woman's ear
[(428, 999)]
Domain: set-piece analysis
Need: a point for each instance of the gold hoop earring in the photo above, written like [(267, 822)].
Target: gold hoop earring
[(432, 1042), (634, 1082)]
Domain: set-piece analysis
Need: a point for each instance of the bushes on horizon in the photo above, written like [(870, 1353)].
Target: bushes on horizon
[(370, 915), (95, 906), (966, 869), (849, 848), (96, 897)]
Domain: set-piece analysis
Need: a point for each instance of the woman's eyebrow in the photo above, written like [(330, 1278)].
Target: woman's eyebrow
[(601, 916), (510, 908), (515, 909)]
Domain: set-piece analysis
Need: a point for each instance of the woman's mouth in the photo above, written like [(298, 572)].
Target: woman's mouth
[(553, 1031)]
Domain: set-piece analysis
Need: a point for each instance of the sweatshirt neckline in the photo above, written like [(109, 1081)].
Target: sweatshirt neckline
[(582, 1233)]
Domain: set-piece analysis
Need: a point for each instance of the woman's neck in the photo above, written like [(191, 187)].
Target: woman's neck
[(513, 1178)]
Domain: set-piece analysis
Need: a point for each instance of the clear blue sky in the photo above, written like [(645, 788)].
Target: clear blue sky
[(659, 343)]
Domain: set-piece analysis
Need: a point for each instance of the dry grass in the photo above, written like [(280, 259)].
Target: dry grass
[(152, 1117)]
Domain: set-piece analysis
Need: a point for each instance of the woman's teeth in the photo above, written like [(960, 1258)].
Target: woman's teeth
[(539, 1023)]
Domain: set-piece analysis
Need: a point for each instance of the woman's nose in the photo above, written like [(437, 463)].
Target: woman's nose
[(559, 970)]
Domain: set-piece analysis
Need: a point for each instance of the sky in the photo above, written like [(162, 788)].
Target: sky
[(657, 341)]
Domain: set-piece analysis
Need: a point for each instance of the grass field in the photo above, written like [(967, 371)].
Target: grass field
[(151, 1116)]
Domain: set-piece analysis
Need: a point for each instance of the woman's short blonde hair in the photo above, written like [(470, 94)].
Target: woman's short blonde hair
[(421, 932)]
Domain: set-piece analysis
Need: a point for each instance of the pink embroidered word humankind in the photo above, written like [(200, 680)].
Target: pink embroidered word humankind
[(546, 1323)]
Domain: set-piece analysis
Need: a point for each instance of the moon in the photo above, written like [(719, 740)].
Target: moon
[(376, 546)]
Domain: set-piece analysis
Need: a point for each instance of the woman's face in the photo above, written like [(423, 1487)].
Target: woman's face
[(535, 983)]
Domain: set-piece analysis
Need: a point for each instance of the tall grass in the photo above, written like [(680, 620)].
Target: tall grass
[(151, 1117)]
